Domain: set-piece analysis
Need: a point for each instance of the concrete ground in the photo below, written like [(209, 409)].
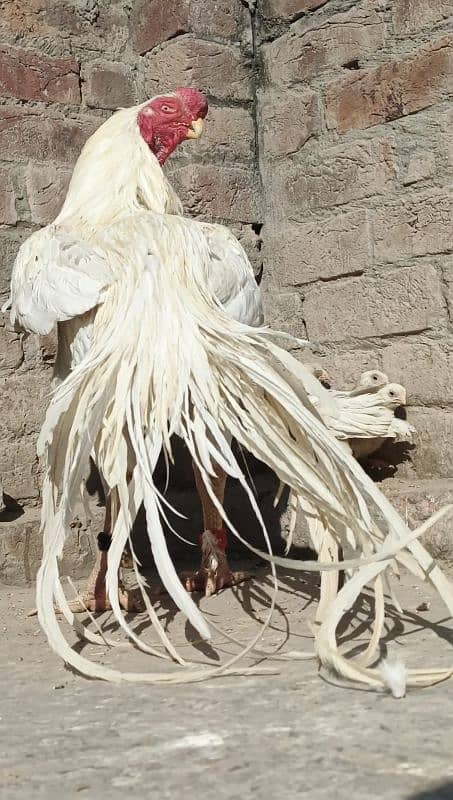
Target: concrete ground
[(287, 735)]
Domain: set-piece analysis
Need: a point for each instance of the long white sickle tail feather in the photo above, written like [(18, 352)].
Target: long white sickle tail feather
[(167, 360)]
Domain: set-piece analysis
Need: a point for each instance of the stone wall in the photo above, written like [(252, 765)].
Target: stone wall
[(356, 159), (328, 150)]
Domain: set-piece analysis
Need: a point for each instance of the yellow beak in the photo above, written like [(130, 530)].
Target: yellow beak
[(196, 129)]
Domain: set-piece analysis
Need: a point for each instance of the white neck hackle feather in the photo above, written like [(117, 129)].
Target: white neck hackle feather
[(116, 172), (166, 359)]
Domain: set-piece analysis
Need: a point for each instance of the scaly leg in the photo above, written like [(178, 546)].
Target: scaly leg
[(94, 598), (214, 573)]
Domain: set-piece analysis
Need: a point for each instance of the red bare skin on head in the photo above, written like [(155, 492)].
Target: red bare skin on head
[(166, 120)]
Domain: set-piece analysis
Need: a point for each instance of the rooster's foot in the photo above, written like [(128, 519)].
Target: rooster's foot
[(129, 599), (209, 581), (214, 573)]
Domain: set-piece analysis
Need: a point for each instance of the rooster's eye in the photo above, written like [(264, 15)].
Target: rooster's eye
[(167, 109)]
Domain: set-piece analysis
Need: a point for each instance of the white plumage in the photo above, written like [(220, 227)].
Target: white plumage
[(155, 313), (394, 674), (363, 416), (369, 381), (368, 414)]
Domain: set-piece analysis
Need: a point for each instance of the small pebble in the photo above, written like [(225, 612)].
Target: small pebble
[(423, 606)]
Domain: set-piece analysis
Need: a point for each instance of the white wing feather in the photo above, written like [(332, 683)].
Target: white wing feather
[(231, 276), (56, 277)]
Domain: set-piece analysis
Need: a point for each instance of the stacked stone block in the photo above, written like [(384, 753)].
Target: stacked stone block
[(358, 204), (328, 150)]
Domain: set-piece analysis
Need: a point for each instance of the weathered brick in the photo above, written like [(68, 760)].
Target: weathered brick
[(283, 312), (288, 120), (24, 18), (305, 253), (229, 193), (424, 144), (10, 241), (321, 43), (424, 368), (433, 453), (39, 353), (28, 396), (447, 272), (34, 76), (410, 16), (108, 85), (21, 548), (421, 165), (418, 225), (19, 467), (11, 354), (405, 300), (46, 190), (87, 24), (224, 18), (154, 22), (345, 367), (26, 133), (287, 9), (446, 139), (220, 70), (8, 215), (48, 347), (392, 90), (337, 176), (229, 134)]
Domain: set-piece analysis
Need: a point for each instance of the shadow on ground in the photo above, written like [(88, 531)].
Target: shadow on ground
[(180, 492), (444, 791), (178, 486)]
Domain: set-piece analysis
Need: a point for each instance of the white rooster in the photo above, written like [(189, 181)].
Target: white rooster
[(155, 314)]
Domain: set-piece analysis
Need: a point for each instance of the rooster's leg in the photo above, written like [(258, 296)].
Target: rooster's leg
[(94, 597), (214, 573)]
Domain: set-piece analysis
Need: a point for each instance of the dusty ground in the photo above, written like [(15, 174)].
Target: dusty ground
[(293, 734)]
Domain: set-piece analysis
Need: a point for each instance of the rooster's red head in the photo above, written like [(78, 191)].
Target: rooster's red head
[(168, 119)]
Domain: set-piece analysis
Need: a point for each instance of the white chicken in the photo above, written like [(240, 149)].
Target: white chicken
[(366, 412), (370, 380), (381, 424), (319, 372), (392, 396), (366, 415), (155, 315)]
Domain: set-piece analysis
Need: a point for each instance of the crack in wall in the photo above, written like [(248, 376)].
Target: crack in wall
[(256, 227)]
